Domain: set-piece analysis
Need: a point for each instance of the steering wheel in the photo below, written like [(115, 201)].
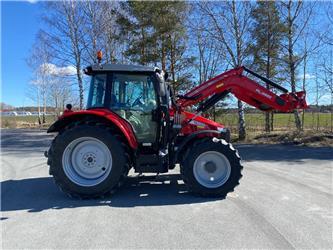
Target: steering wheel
[(137, 102)]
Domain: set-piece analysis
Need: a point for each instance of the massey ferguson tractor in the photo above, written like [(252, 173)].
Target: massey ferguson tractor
[(133, 120)]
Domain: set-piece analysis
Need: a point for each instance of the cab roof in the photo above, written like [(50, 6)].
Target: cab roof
[(117, 67)]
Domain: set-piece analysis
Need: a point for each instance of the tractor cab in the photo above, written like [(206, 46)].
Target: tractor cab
[(135, 93)]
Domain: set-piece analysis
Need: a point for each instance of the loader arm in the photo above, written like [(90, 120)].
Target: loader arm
[(245, 89)]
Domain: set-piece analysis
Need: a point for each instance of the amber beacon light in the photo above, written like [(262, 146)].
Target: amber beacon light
[(99, 56)]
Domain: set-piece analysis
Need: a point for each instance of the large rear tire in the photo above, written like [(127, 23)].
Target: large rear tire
[(211, 167), (88, 161)]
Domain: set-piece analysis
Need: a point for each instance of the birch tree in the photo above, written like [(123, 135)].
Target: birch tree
[(101, 30), (296, 16), (111, 43), (229, 26), (33, 93), (38, 61), (59, 93), (66, 36), (209, 54), (326, 66)]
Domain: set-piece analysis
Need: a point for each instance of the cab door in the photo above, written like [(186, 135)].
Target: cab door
[(133, 97)]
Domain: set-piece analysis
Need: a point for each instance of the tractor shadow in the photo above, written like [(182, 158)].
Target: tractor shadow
[(38, 194)]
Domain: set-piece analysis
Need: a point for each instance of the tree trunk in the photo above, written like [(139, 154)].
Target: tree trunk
[(241, 121), (143, 49), (268, 70), (38, 102), (298, 122), (331, 111), (304, 72), (267, 122), (241, 116), (44, 108), (172, 60), (331, 88), (291, 62), (317, 102), (272, 121), (163, 59), (80, 83)]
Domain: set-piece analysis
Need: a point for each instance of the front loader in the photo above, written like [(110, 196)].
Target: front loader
[(133, 120)]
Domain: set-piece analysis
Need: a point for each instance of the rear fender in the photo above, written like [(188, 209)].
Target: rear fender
[(110, 118)]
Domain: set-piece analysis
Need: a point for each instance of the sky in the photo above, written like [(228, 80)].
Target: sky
[(20, 21)]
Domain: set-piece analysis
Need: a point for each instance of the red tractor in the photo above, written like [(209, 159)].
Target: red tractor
[(133, 120)]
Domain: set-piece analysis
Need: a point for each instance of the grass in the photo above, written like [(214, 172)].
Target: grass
[(282, 122), (254, 122), (317, 127), (24, 121)]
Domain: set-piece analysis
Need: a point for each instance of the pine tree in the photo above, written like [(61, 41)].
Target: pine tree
[(136, 26), (157, 36), (267, 32)]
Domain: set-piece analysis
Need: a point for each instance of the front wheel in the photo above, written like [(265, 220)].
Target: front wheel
[(211, 167)]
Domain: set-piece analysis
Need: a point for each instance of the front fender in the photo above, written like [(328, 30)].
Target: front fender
[(206, 133), (103, 115)]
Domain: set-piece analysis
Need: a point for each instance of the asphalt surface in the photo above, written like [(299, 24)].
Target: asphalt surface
[(284, 201)]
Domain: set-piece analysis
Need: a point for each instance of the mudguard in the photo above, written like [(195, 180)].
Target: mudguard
[(101, 114), (205, 133)]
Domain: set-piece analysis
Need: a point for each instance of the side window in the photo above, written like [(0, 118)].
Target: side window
[(135, 92), (97, 91), (133, 98)]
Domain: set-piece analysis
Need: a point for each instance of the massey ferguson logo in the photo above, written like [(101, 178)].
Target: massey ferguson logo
[(263, 93)]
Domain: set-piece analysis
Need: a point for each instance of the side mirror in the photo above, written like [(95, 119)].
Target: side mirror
[(69, 106)]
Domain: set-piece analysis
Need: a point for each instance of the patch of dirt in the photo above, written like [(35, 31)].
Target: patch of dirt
[(302, 138)]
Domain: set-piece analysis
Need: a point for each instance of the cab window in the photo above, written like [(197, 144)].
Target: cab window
[(135, 92), (97, 91), (133, 97)]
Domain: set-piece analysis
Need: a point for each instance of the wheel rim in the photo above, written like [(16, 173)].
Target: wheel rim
[(212, 169), (87, 161)]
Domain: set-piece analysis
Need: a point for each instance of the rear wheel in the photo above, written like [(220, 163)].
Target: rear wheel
[(211, 167), (88, 161)]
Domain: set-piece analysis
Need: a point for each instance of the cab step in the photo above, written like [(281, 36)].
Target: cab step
[(151, 163)]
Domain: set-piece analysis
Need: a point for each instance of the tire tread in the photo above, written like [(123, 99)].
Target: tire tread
[(204, 192)]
